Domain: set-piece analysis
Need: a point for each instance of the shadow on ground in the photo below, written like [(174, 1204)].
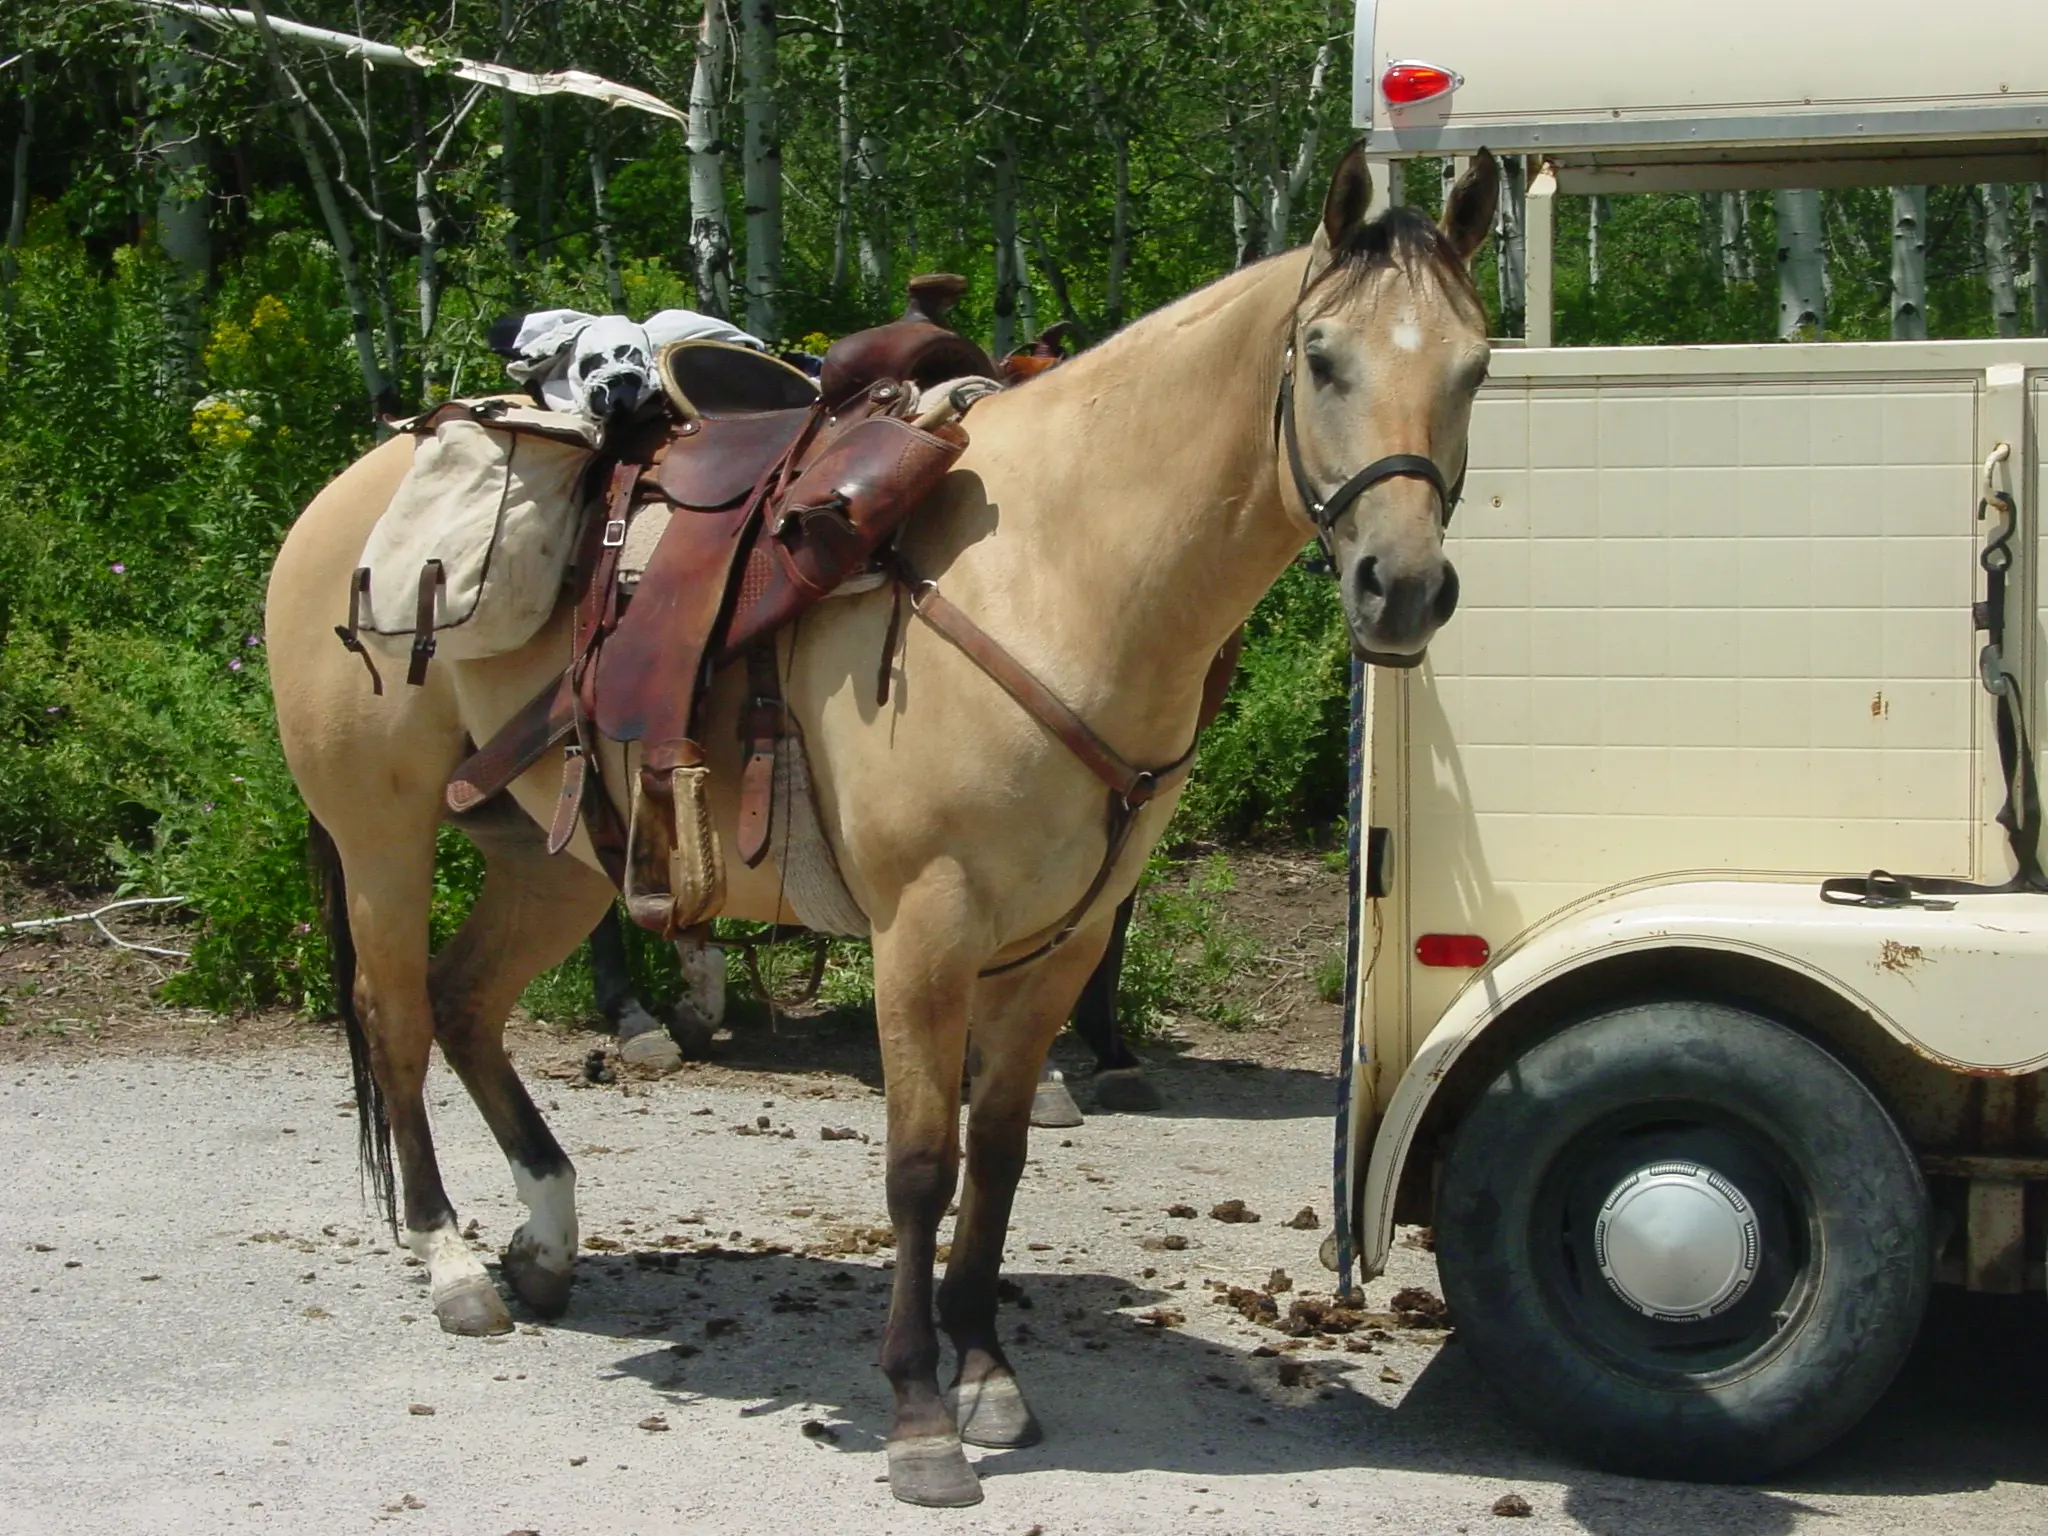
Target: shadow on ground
[(843, 1041), (785, 1334)]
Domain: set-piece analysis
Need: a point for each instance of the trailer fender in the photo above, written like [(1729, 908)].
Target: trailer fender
[(1957, 982)]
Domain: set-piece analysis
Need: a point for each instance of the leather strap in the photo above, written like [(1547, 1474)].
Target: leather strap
[(761, 728), (1133, 786), (544, 722), (1129, 788), (349, 633), (433, 577), (569, 804)]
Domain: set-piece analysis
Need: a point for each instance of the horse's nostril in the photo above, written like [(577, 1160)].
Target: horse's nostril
[(1366, 578)]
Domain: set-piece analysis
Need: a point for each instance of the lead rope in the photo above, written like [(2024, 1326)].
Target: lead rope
[(2021, 813)]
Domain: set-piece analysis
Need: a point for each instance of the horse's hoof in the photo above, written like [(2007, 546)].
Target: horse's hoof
[(932, 1470), (992, 1413), (473, 1308), (651, 1051), (546, 1291), (1052, 1107), (1125, 1090)]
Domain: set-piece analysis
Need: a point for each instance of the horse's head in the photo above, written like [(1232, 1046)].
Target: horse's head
[(1387, 347)]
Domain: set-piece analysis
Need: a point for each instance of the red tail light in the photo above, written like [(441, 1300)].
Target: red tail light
[(1407, 82), (1452, 951)]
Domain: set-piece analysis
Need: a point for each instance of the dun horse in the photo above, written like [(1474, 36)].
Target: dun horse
[(1111, 524)]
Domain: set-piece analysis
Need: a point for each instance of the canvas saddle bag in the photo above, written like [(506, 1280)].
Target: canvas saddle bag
[(469, 559)]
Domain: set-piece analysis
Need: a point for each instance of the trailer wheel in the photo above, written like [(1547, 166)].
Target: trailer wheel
[(1684, 1241)]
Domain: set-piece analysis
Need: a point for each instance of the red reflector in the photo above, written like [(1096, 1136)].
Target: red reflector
[(1406, 83), (1455, 951)]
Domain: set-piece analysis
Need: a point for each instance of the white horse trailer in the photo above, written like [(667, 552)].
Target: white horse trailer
[(1697, 1122)]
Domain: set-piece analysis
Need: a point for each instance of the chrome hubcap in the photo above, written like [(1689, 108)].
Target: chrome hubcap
[(1677, 1242)]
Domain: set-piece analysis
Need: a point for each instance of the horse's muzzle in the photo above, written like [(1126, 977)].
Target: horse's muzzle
[(1393, 609)]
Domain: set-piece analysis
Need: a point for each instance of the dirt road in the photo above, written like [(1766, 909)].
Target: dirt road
[(203, 1331)]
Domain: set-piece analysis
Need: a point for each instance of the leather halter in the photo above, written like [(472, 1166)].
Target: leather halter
[(1325, 511)]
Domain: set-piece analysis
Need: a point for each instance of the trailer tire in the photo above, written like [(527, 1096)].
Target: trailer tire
[(1598, 1208)]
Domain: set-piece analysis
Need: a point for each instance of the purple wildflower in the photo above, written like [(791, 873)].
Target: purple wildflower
[(253, 640), (54, 709), (235, 665), (118, 568)]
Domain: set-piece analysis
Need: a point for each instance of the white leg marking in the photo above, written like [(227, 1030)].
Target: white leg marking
[(548, 1236), (447, 1257)]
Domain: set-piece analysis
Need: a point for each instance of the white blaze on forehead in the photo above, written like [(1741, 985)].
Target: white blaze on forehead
[(1407, 335)]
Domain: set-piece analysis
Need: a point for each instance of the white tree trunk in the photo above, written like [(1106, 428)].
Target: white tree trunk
[(1737, 264), (428, 272), (842, 222), (375, 385), (1596, 219), (1119, 235), (761, 167), (710, 227), (2037, 204), (1285, 188), (17, 205), (508, 138), (182, 203), (877, 274), (1247, 223), (601, 214), (1027, 301), (1510, 246), (2000, 260), (1003, 216), (1909, 263), (1802, 265)]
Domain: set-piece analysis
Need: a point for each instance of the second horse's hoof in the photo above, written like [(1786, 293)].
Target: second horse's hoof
[(1052, 1107)]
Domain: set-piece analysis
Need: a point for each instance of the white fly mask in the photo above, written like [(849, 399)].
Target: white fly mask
[(612, 370)]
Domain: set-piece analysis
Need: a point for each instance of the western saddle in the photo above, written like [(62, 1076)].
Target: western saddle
[(777, 490)]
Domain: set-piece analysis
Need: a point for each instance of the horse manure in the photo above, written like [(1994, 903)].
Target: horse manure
[(684, 1351), (1184, 1212), (577, 1461), (1417, 1308), (1512, 1505), (1389, 1374), (654, 1424), (1147, 1272), (597, 1070), (1279, 1281), (1303, 1220), (717, 1327), (1234, 1211), (421, 1410), (839, 1133), (1161, 1318), (819, 1430)]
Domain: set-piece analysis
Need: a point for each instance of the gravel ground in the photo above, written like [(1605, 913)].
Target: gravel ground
[(203, 1331)]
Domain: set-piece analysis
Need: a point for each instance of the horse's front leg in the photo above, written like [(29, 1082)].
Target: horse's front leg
[(922, 988), (1016, 1016)]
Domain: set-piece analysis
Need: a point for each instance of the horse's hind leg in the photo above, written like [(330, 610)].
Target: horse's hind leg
[(531, 913), (1016, 1017), (389, 880)]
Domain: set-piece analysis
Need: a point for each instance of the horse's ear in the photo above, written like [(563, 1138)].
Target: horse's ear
[(1349, 197), (1468, 212)]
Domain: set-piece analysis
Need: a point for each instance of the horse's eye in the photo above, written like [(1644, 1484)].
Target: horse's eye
[(1319, 370)]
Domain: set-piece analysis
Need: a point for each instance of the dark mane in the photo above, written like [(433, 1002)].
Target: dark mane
[(1401, 237)]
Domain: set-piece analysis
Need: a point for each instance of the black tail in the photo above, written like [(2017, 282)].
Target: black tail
[(373, 1125)]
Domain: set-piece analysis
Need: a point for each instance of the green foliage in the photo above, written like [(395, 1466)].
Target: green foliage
[(1181, 948), (1274, 759)]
